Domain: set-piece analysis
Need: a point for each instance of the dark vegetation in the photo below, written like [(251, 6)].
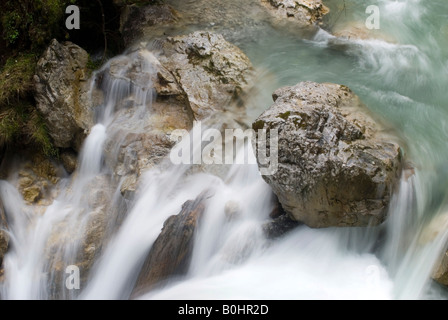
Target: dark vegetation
[(26, 28)]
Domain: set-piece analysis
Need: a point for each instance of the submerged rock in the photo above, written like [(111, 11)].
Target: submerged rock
[(85, 230), (358, 30), (279, 226), (171, 253), (338, 166), (61, 93)]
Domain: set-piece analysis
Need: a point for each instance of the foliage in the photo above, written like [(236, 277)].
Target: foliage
[(26, 28), (20, 122), (32, 23), (16, 78)]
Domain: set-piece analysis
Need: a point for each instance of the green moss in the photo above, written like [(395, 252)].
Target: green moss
[(258, 125), (32, 23), (16, 78), (11, 123), (38, 133), (285, 115), (93, 65)]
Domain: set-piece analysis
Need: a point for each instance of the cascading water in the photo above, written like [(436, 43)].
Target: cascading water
[(403, 81)]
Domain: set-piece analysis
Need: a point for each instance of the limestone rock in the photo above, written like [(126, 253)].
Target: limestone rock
[(338, 164), (86, 230), (297, 13), (61, 93), (37, 178), (199, 76), (214, 74)]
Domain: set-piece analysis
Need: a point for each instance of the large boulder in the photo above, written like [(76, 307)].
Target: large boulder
[(62, 93), (199, 76), (338, 165), (298, 13), (213, 73), (171, 253)]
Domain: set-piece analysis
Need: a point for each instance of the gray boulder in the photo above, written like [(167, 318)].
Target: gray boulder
[(338, 165), (61, 93), (213, 73), (297, 13)]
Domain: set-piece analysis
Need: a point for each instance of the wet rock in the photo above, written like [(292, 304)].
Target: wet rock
[(4, 237), (358, 30), (38, 177), (170, 254), (194, 77), (297, 13), (440, 273), (61, 93), (232, 210), (433, 231), (136, 21), (139, 137), (338, 164), (279, 226), (86, 230), (349, 35), (69, 160)]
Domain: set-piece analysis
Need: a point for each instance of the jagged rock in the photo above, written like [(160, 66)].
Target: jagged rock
[(140, 139), (170, 254), (338, 165), (61, 93), (37, 179), (297, 13), (214, 74), (195, 77)]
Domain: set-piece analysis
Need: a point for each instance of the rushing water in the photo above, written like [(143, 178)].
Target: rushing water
[(404, 81)]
